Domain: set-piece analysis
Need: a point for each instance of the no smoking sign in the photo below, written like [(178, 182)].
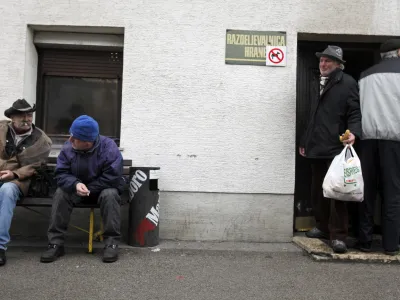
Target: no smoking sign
[(275, 56)]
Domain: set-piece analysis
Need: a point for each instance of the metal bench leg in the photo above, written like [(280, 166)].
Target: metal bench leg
[(91, 226)]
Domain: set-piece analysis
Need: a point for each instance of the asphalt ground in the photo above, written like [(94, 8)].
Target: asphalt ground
[(179, 270)]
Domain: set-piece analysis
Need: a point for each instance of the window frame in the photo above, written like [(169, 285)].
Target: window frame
[(78, 72)]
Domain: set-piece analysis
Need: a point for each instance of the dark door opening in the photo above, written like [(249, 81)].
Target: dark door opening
[(358, 57)]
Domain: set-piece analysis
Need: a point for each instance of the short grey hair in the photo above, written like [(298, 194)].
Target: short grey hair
[(390, 54), (341, 67)]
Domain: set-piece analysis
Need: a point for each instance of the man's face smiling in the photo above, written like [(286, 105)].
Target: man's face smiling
[(327, 65)]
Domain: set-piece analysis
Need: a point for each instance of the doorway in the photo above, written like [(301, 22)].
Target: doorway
[(359, 54)]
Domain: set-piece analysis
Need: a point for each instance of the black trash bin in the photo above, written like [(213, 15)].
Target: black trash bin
[(144, 207)]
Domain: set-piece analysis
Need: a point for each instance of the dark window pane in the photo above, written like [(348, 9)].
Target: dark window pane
[(66, 98)]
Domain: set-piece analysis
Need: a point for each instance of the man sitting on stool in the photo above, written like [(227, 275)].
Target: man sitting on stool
[(89, 168)]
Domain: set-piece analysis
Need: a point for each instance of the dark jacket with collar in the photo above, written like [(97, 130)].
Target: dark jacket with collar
[(331, 113), (98, 168)]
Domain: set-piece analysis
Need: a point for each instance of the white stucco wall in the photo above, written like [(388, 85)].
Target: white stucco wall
[(211, 127)]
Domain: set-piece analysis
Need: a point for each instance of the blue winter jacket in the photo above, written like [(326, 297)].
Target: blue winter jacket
[(98, 168)]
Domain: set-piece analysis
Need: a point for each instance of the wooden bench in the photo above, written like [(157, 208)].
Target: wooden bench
[(45, 199)]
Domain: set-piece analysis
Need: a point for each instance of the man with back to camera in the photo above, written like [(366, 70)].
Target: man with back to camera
[(380, 147), (89, 168), (23, 149), (335, 108)]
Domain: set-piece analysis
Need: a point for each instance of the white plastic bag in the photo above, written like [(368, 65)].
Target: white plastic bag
[(344, 180)]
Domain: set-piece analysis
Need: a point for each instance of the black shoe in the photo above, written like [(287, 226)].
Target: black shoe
[(315, 233), (339, 246), (110, 253), (3, 258), (52, 253), (364, 247), (392, 253)]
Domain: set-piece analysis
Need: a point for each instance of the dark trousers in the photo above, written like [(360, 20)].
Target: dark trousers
[(380, 164), (63, 203), (331, 215)]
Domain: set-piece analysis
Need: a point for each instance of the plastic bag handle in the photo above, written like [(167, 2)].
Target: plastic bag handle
[(351, 149)]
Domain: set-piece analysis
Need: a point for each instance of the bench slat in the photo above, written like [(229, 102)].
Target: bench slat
[(47, 202), (53, 160), (35, 202)]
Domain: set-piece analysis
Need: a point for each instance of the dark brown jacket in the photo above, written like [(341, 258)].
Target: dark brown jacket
[(23, 160)]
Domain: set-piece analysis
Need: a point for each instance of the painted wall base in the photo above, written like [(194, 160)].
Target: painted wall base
[(189, 216), (226, 217)]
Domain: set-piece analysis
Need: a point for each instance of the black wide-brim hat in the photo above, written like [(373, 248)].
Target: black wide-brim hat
[(18, 107), (332, 52)]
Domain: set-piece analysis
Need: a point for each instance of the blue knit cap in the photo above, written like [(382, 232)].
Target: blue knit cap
[(85, 128)]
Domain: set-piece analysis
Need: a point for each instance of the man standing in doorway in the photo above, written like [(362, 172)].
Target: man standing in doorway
[(23, 149), (335, 107), (380, 147)]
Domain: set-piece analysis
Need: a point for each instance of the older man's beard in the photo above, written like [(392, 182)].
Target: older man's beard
[(327, 72)]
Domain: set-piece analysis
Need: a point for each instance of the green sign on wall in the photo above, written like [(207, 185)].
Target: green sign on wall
[(244, 47)]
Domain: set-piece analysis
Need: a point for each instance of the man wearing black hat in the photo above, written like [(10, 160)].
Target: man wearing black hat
[(335, 108), (23, 148), (380, 147)]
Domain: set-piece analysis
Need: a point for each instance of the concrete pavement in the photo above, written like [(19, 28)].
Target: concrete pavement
[(184, 270)]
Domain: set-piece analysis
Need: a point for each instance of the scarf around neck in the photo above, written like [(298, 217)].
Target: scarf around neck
[(323, 80)]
